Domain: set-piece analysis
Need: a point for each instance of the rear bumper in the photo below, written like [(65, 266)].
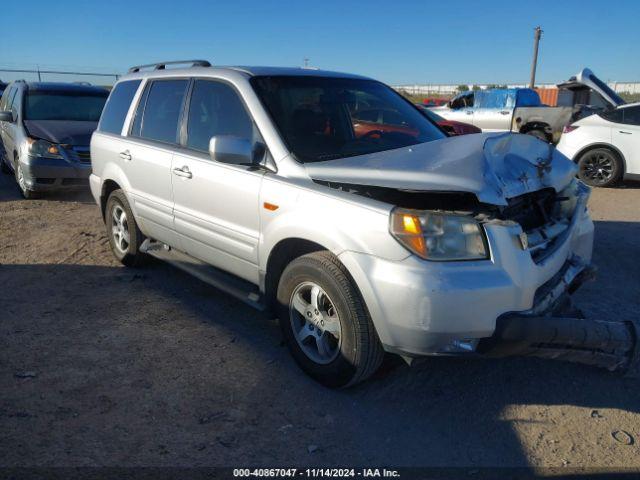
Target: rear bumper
[(45, 174)]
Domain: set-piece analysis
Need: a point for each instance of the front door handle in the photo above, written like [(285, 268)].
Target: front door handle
[(183, 172), (505, 112), (469, 112), (125, 155), (626, 133)]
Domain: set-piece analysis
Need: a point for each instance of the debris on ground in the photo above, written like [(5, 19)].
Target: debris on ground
[(623, 437)]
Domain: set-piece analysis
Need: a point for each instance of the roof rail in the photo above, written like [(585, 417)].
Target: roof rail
[(162, 65)]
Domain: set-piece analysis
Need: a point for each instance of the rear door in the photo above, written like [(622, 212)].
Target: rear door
[(626, 137), (154, 138), (216, 205)]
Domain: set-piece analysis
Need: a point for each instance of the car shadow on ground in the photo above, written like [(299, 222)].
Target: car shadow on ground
[(110, 366), (9, 191)]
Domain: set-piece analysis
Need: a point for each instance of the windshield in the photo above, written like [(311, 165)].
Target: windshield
[(323, 118), (57, 105)]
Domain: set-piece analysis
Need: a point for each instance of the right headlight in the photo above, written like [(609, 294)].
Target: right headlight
[(438, 236)]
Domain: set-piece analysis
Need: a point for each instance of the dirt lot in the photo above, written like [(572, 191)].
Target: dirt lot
[(102, 365)]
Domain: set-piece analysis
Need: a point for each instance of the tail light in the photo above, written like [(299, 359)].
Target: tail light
[(569, 128)]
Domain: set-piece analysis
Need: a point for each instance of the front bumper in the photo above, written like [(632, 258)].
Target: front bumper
[(46, 174), (443, 308)]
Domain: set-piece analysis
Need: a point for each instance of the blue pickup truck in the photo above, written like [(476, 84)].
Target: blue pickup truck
[(515, 109), (520, 109)]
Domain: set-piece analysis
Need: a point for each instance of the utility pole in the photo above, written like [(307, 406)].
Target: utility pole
[(306, 62), (537, 33)]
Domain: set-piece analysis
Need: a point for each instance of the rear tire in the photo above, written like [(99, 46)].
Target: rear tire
[(332, 337), (123, 233), (600, 167), (540, 135)]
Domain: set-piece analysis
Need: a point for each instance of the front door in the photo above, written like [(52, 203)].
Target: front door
[(216, 205)]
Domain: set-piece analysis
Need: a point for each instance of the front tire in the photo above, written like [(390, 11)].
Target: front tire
[(123, 233), (600, 167), (22, 183), (325, 321)]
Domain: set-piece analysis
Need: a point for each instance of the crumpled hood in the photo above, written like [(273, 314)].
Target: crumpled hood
[(495, 167), (66, 132)]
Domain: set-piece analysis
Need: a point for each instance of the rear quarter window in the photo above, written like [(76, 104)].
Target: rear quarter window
[(115, 111)]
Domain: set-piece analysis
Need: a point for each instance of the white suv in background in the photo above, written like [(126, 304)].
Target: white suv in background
[(362, 238), (606, 145)]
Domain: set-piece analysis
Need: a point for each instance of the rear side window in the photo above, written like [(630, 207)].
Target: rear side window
[(215, 109), (162, 109), (115, 111), (632, 115), (615, 116)]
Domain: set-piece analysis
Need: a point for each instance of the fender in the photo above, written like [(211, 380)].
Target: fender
[(319, 215)]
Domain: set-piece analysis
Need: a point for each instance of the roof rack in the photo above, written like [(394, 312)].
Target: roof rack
[(162, 65)]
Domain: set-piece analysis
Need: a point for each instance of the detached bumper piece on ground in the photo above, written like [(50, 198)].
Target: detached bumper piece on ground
[(562, 333)]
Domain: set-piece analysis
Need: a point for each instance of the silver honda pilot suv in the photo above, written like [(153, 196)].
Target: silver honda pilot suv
[(364, 233)]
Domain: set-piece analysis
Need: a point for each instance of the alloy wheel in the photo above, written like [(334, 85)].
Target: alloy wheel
[(598, 167), (22, 183), (315, 323), (120, 228)]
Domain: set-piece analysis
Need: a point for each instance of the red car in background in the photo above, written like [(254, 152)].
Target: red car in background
[(374, 122), (450, 126), (434, 102)]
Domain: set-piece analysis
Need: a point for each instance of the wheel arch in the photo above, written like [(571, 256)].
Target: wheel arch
[(108, 186), (283, 253), (534, 125)]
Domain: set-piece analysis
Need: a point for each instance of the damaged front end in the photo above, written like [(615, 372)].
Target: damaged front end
[(514, 184)]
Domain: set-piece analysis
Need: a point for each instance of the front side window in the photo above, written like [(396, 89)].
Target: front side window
[(5, 97), (321, 118), (162, 110), (115, 111), (11, 101), (216, 109), (64, 105)]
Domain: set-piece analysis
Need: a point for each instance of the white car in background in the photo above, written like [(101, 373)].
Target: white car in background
[(606, 145)]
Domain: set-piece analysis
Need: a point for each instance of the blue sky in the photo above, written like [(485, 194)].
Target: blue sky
[(396, 42)]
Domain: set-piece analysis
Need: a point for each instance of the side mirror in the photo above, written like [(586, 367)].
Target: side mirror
[(6, 116), (234, 150)]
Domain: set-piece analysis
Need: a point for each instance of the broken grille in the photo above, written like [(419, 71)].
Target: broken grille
[(545, 217)]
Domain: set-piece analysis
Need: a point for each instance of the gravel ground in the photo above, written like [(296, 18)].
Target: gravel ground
[(106, 366)]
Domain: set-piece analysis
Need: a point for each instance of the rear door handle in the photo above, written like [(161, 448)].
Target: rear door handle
[(183, 172), (125, 155), (469, 112), (505, 112), (626, 133)]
